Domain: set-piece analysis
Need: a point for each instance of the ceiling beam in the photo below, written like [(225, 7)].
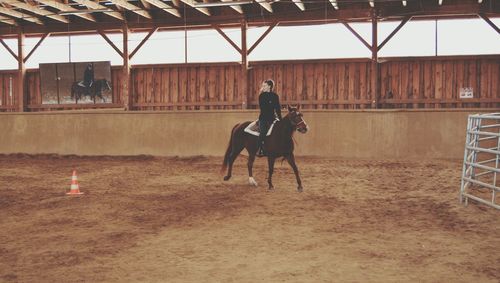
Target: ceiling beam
[(94, 5), (257, 42), (488, 21), (357, 35), (35, 10), (299, 4), (143, 42), (19, 15), (237, 8), (36, 46), (126, 5), (334, 4), (8, 49), (165, 7), (265, 5), (405, 20), (227, 38), (193, 3), (66, 8), (8, 21)]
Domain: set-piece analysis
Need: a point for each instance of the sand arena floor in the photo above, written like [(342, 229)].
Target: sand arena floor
[(146, 219)]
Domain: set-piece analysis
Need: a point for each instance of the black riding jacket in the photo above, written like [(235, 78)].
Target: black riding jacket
[(88, 76), (269, 103)]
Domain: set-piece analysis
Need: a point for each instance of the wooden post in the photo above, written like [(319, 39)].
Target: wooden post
[(21, 71), (126, 91), (244, 65), (375, 72)]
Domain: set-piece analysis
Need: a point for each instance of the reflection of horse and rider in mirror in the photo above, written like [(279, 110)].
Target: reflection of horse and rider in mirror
[(89, 86)]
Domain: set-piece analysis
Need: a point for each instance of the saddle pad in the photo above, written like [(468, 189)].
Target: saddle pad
[(253, 128)]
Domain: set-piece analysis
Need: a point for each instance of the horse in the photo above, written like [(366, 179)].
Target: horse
[(96, 89), (279, 144)]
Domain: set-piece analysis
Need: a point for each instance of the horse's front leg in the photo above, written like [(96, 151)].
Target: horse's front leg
[(251, 180), (291, 160), (270, 162)]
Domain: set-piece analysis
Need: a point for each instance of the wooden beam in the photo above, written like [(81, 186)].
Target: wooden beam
[(244, 65), (334, 4), (237, 8), (489, 22), (357, 35), (269, 29), (8, 21), (126, 5), (405, 20), (8, 48), (165, 7), (19, 15), (35, 10), (299, 4), (143, 41), (21, 72), (36, 46), (193, 3), (128, 99), (227, 38), (375, 65), (94, 5), (66, 8), (265, 5), (110, 42)]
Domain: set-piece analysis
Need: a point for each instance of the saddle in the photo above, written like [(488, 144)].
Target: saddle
[(254, 129)]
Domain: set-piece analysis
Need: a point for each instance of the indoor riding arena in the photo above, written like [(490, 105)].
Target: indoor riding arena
[(113, 172)]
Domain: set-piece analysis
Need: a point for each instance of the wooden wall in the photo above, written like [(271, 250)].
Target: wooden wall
[(427, 82), (191, 87), (321, 84), (436, 83), (8, 90)]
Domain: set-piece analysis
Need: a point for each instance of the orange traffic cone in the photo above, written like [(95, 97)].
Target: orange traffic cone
[(75, 188)]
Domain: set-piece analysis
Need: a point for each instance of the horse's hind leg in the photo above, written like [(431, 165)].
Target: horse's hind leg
[(270, 162), (251, 180), (291, 160)]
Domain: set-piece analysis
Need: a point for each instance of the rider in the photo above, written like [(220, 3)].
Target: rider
[(269, 104), (88, 77)]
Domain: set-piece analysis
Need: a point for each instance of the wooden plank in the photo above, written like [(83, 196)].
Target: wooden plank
[(404, 81), (428, 78), (352, 83), (415, 81), (438, 81), (212, 81), (221, 85), (483, 83), (448, 80), (230, 78), (191, 88), (174, 85)]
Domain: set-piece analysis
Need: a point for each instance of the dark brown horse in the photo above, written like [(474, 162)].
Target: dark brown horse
[(278, 144)]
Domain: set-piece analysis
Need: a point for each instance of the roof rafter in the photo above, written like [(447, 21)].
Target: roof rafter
[(165, 7), (19, 15), (8, 21), (265, 5), (66, 8), (237, 8), (299, 4), (126, 5), (193, 3), (95, 5), (35, 10)]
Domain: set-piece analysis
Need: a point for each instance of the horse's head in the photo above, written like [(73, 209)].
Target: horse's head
[(297, 119)]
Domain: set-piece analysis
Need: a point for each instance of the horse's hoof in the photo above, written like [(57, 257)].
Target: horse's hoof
[(300, 189), (227, 178), (252, 181)]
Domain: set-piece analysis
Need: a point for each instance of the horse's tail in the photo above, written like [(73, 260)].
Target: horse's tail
[(228, 150)]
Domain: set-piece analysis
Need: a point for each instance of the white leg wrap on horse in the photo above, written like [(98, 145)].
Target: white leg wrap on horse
[(252, 181)]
